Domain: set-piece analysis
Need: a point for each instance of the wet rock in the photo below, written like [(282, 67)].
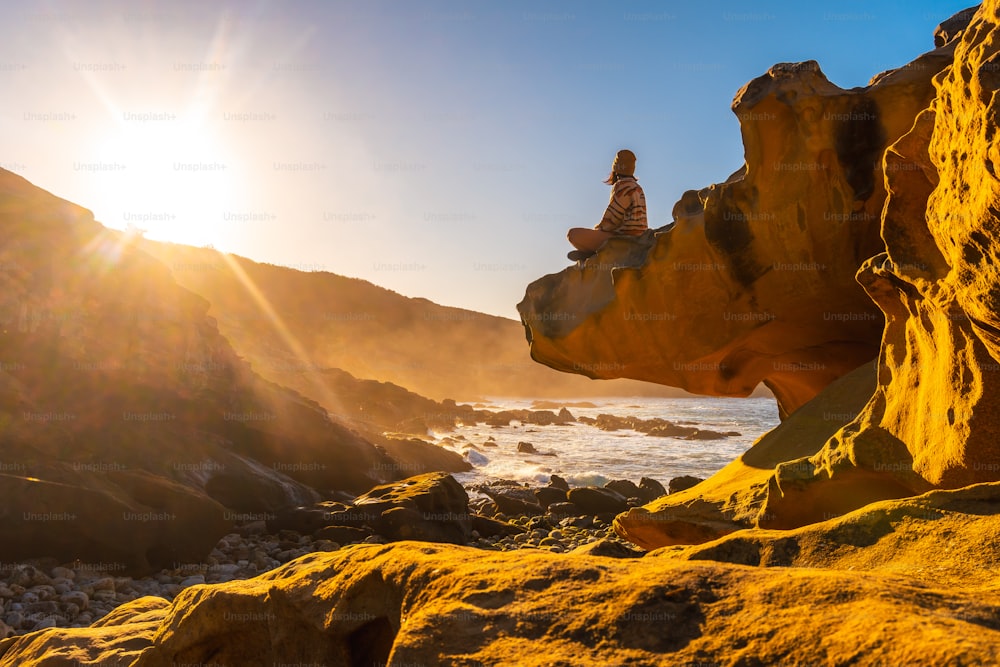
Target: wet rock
[(625, 488), (683, 483), (651, 489), (526, 448), (548, 495), (564, 510), (594, 500), (558, 482)]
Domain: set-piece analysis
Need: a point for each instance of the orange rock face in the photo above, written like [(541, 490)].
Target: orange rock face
[(755, 280), (932, 419)]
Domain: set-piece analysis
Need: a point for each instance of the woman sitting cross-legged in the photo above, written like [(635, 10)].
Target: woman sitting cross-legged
[(626, 213)]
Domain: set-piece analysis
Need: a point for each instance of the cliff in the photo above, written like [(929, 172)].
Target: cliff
[(754, 280), (929, 420)]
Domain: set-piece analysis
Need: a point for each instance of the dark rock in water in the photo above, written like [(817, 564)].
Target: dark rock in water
[(548, 495), (704, 434), (526, 448), (609, 549), (558, 482), (684, 482), (487, 527), (342, 535), (625, 487), (564, 511), (651, 489), (566, 416), (594, 500), (490, 443), (404, 523)]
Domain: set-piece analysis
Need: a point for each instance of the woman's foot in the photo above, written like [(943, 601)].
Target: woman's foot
[(580, 255)]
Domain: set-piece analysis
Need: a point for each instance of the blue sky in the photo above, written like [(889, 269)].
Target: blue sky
[(440, 149)]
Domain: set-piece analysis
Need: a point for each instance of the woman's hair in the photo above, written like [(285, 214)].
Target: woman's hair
[(613, 178)]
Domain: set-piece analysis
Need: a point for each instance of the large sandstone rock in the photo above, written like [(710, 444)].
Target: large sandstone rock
[(735, 497), (754, 281), (931, 420), (412, 603), (934, 419)]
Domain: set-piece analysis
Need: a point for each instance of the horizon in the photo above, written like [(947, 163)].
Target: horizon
[(438, 151)]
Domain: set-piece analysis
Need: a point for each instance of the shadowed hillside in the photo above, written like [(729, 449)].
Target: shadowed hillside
[(369, 331)]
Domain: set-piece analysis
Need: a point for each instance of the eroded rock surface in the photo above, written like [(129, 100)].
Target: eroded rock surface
[(754, 281), (413, 603)]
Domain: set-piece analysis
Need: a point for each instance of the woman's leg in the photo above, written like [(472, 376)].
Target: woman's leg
[(588, 240)]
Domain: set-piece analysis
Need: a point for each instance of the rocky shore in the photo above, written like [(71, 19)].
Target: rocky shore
[(40, 594)]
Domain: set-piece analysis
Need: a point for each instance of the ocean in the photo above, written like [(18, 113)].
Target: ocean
[(585, 455)]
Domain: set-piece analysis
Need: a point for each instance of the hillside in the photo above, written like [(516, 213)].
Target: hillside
[(371, 332)]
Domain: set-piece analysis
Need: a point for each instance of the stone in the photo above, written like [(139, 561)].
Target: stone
[(608, 548), (564, 510), (651, 489), (526, 448), (625, 488), (511, 505), (595, 500), (683, 483), (487, 527), (405, 523), (430, 493), (548, 495), (558, 482)]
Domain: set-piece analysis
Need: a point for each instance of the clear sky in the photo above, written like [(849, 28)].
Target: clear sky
[(440, 149)]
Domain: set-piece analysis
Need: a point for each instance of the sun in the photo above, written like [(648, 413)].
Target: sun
[(169, 177)]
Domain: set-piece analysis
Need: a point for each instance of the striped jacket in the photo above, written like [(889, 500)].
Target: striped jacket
[(626, 214)]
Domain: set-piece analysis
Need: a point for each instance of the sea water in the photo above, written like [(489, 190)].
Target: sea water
[(586, 455)]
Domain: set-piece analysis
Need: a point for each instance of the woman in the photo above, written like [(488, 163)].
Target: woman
[(626, 213)]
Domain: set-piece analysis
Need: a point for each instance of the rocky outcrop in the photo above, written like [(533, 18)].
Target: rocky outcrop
[(735, 497), (413, 603), (930, 420), (754, 280), (934, 418)]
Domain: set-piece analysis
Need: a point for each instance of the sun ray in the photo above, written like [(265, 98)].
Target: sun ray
[(293, 344)]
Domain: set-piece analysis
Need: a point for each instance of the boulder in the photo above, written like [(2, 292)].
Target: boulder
[(548, 495), (526, 448), (342, 535), (625, 488), (433, 494), (683, 483), (564, 510), (558, 482), (651, 489), (595, 500)]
